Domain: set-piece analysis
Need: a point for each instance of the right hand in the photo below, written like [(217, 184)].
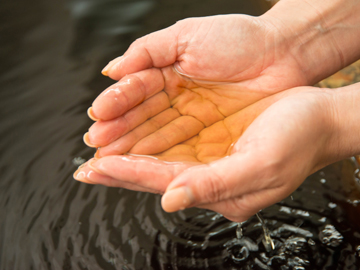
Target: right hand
[(229, 62), (223, 48)]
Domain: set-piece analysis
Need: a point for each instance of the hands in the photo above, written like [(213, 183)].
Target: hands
[(223, 76), (290, 137), (205, 99)]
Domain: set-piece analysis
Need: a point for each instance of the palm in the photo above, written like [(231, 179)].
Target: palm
[(282, 140), (186, 121), (232, 63)]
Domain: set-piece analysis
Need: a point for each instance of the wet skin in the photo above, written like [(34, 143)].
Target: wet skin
[(178, 119), (208, 98), (206, 123)]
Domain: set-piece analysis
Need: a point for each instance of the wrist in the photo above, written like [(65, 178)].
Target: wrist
[(346, 121), (322, 36)]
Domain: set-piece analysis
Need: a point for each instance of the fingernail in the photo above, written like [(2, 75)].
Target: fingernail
[(106, 69), (92, 164), (177, 199), (90, 113), (81, 176), (97, 154), (87, 141)]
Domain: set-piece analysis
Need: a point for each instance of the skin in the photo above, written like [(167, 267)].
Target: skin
[(273, 141), (210, 106)]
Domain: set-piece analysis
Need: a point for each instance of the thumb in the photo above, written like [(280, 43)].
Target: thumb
[(158, 49), (224, 179)]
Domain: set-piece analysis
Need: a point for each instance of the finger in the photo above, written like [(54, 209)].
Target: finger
[(126, 142), (158, 49), (127, 93), (87, 175), (227, 178), (102, 133), (109, 65), (145, 172), (177, 131)]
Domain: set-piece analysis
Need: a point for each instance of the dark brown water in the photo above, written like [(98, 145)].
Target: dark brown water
[(51, 53)]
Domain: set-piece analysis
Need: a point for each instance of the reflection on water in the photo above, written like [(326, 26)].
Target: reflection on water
[(51, 54)]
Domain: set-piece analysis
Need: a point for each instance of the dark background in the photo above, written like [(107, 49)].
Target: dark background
[(51, 55)]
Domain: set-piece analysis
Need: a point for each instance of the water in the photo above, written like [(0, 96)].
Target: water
[(267, 241), (51, 55)]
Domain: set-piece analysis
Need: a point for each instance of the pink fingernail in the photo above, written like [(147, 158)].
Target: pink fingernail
[(82, 177), (79, 175)]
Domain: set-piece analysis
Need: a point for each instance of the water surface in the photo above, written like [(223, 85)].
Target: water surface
[(51, 53)]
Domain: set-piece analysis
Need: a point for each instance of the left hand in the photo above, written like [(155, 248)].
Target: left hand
[(277, 142)]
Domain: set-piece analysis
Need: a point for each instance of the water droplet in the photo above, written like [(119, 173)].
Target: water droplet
[(332, 205), (297, 263), (302, 213), (239, 230), (267, 241), (330, 236), (311, 242), (77, 161), (285, 209), (323, 219), (294, 244), (322, 181), (216, 216), (358, 250)]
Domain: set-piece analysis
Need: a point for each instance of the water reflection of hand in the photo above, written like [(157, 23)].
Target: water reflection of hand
[(290, 137)]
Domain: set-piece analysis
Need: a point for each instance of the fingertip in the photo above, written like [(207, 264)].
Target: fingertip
[(129, 64), (87, 140), (177, 199), (91, 175), (90, 113), (80, 176), (97, 154), (115, 69), (105, 71), (95, 167)]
